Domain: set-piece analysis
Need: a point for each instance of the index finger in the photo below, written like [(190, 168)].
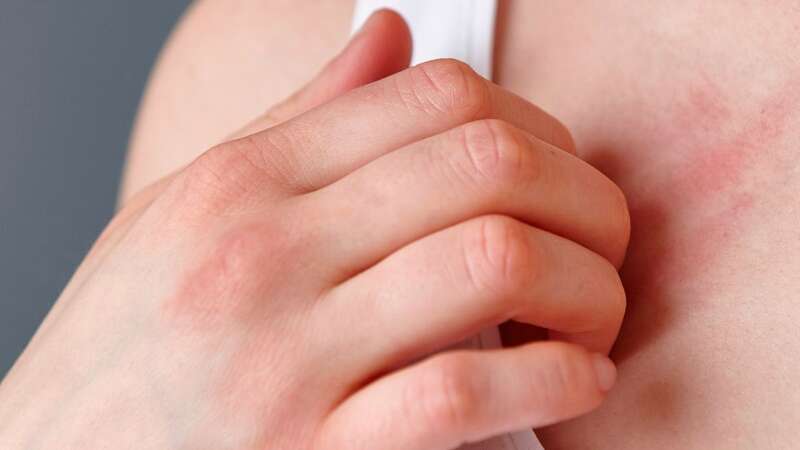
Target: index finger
[(326, 143)]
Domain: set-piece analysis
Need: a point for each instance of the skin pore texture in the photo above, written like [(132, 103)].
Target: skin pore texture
[(691, 107)]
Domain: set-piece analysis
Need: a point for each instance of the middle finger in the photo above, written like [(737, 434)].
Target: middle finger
[(484, 167)]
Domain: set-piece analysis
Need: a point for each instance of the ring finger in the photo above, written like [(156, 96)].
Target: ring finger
[(452, 284)]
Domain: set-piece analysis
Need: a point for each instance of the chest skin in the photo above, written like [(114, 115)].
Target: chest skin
[(694, 109)]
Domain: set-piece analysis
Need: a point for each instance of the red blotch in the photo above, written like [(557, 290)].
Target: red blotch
[(693, 202), (223, 286), (720, 146), (710, 185)]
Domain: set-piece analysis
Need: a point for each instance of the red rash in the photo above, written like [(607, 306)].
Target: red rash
[(221, 287), (707, 183), (727, 145), (712, 160)]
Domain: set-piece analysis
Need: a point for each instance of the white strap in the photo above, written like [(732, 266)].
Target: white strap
[(461, 29)]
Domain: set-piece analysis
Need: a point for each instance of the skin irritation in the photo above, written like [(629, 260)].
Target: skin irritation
[(696, 191), (701, 198), (218, 303), (218, 289), (714, 168)]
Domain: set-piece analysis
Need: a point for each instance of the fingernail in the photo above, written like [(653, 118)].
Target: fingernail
[(605, 371)]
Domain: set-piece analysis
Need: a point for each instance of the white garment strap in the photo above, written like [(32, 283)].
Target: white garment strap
[(461, 29)]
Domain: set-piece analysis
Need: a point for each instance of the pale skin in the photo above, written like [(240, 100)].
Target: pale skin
[(691, 107), (697, 130), (264, 296)]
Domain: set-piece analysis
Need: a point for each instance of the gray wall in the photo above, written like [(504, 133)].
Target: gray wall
[(71, 74)]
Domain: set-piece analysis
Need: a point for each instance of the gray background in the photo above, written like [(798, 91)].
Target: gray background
[(71, 75)]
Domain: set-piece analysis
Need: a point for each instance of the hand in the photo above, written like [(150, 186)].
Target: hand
[(275, 293)]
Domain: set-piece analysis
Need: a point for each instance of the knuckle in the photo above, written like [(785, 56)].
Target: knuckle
[(449, 87), (498, 257), (445, 394), (210, 168), (275, 153), (242, 260), (233, 256), (218, 177), (494, 153), (229, 173)]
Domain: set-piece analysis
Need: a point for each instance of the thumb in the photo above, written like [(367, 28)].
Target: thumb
[(382, 47)]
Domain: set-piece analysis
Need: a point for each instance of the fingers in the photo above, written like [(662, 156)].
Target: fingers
[(326, 143), (482, 167), (468, 396), (452, 284), (382, 47)]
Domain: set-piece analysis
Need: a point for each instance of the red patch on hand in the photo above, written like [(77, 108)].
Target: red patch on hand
[(228, 282)]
